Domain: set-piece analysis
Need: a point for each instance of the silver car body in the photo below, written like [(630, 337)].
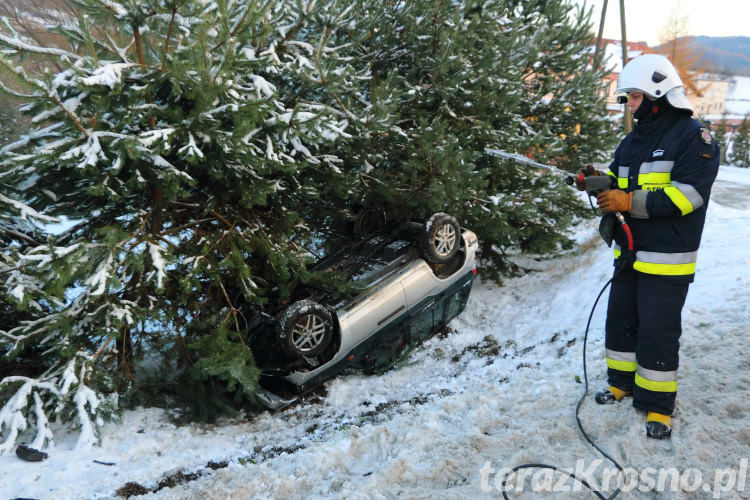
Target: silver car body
[(392, 292)]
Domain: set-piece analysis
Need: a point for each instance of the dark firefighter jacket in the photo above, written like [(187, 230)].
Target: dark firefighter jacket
[(670, 164)]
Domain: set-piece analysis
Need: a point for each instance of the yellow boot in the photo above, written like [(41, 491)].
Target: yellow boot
[(658, 425), (610, 395)]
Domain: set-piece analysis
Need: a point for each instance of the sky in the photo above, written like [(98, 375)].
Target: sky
[(644, 18), (498, 390)]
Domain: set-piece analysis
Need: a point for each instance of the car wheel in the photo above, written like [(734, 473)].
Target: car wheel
[(305, 329), (440, 239), (369, 222)]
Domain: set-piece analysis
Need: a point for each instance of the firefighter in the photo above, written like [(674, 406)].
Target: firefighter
[(662, 175)]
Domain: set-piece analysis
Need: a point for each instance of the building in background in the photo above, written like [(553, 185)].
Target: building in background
[(712, 98), (737, 103)]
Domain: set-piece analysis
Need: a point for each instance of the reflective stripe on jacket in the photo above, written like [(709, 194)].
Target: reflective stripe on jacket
[(670, 165)]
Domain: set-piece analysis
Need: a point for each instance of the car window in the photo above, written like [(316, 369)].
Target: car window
[(388, 347), (453, 305), (423, 321)]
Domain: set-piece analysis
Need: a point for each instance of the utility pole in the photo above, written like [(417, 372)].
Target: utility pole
[(628, 117), (598, 50)]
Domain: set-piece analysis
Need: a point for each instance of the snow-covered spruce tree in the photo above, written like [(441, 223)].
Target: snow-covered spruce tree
[(740, 155), (182, 139), (447, 79)]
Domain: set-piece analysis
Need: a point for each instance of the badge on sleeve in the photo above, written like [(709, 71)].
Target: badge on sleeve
[(705, 135)]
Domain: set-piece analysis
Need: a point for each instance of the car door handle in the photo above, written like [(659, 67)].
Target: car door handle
[(390, 315)]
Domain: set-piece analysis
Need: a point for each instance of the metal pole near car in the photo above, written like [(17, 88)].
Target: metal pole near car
[(598, 49), (628, 117)]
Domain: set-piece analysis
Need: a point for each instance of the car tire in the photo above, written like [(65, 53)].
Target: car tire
[(440, 238), (305, 329), (369, 222)]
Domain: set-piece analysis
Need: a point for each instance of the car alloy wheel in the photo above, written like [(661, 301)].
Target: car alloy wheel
[(308, 333), (306, 329), (440, 239), (445, 240)]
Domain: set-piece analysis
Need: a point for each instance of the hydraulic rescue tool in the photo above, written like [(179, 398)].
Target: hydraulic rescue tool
[(595, 184)]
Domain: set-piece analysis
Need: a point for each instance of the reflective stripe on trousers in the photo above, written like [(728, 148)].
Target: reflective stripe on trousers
[(663, 263), (623, 361), (657, 381), (652, 380)]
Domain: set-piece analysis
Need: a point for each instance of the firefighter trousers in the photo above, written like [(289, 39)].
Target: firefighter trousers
[(643, 337)]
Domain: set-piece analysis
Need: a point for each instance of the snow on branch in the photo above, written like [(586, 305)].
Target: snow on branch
[(27, 330), (34, 135), (109, 75), (98, 281), (116, 7), (26, 211), (160, 161), (43, 432), (49, 90), (63, 391), (263, 88), (191, 148), (17, 43), (10, 91), (13, 415), (82, 398), (91, 152), (21, 73), (70, 104), (122, 52), (159, 264), (150, 137)]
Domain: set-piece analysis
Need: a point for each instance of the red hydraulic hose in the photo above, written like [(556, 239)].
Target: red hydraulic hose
[(625, 228)]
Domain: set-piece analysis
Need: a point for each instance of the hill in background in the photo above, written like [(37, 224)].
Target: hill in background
[(728, 55)]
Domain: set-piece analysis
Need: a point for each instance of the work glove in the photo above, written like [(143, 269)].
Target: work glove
[(615, 200), (586, 172)]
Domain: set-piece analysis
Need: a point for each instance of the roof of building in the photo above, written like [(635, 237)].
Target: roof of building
[(613, 53)]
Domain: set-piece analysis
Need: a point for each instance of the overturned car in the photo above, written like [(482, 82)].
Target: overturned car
[(415, 277)]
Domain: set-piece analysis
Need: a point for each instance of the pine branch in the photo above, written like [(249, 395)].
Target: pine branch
[(50, 93), (22, 236), (139, 46), (70, 115), (103, 347), (12, 416), (8, 90), (27, 211), (173, 230), (230, 226), (203, 48), (238, 25), (87, 37), (166, 40), (114, 7), (232, 310), (122, 53), (17, 44), (300, 22)]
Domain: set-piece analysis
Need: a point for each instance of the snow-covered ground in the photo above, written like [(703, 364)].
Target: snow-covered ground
[(498, 391)]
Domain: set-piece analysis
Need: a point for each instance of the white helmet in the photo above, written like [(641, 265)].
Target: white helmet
[(656, 77)]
